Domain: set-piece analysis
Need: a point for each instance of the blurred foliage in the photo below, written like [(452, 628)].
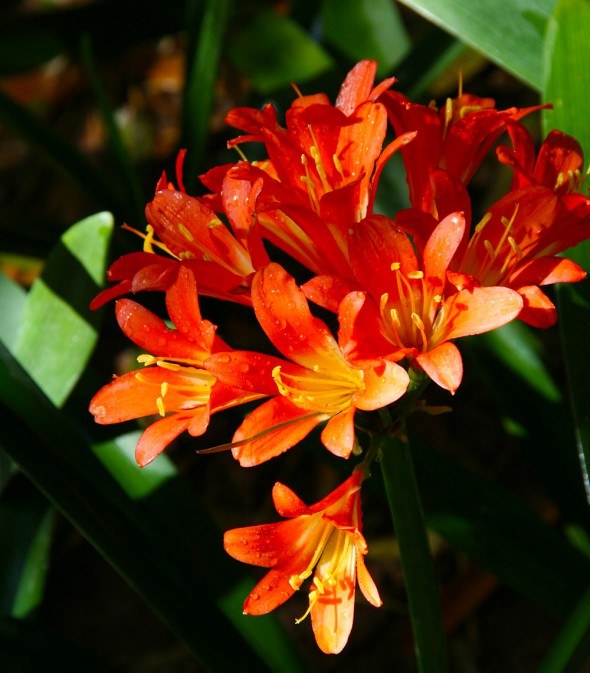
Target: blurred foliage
[(96, 98)]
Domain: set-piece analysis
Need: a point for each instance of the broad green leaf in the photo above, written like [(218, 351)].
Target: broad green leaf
[(57, 332), (205, 43), (567, 76), (508, 32), (145, 544), (26, 522), (517, 347), (12, 303), (366, 29), (273, 51), (566, 84), (570, 651)]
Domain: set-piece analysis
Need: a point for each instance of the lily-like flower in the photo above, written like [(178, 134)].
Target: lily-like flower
[(409, 309), (316, 383), (449, 146), (325, 540), (173, 383), (517, 243), (322, 169), (191, 235)]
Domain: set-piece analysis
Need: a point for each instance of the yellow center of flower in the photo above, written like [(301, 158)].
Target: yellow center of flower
[(321, 391), (412, 311), (499, 258)]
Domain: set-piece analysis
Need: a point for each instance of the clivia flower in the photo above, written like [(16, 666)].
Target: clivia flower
[(409, 309), (317, 383), (191, 234), (324, 539), (173, 383)]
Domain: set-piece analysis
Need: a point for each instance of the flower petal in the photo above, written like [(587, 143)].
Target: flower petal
[(333, 614), (272, 590), (383, 385), (338, 435), (366, 583), (286, 502), (159, 435), (538, 310), (443, 365), (274, 427)]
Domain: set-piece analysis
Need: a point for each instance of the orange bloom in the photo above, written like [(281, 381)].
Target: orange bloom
[(323, 167), (316, 384), (408, 308), (517, 243), (326, 537), (173, 383), (191, 235)]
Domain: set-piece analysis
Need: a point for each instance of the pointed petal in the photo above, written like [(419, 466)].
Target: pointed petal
[(286, 502), (443, 365), (478, 310), (182, 302), (357, 86), (546, 271), (246, 370), (158, 436), (328, 291), (283, 313), (441, 247), (538, 309), (280, 425), (366, 583), (338, 435), (333, 614), (272, 590), (149, 332), (383, 385)]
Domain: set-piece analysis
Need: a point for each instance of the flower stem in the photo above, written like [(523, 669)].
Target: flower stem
[(406, 509)]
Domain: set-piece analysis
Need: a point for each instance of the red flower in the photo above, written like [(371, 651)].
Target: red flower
[(174, 383), (318, 383), (326, 537), (518, 241), (408, 308), (449, 146), (191, 234), (323, 168)]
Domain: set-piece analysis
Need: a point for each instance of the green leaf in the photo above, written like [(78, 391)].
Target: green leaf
[(567, 83), (12, 303), (571, 649), (508, 32), (57, 332), (567, 76), (273, 51), (397, 470), (366, 29)]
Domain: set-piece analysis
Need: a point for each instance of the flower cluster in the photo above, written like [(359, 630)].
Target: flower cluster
[(402, 287)]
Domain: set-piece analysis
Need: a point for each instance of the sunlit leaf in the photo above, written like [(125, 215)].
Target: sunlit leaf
[(508, 32), (57, 332)]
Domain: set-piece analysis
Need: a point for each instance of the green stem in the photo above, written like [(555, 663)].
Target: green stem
[(406, 509)]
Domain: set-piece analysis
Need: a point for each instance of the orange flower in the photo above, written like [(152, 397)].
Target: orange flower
[(326, 537), (173, 383), (323, 167), (316, 384), (191, 235), (408, 308)]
